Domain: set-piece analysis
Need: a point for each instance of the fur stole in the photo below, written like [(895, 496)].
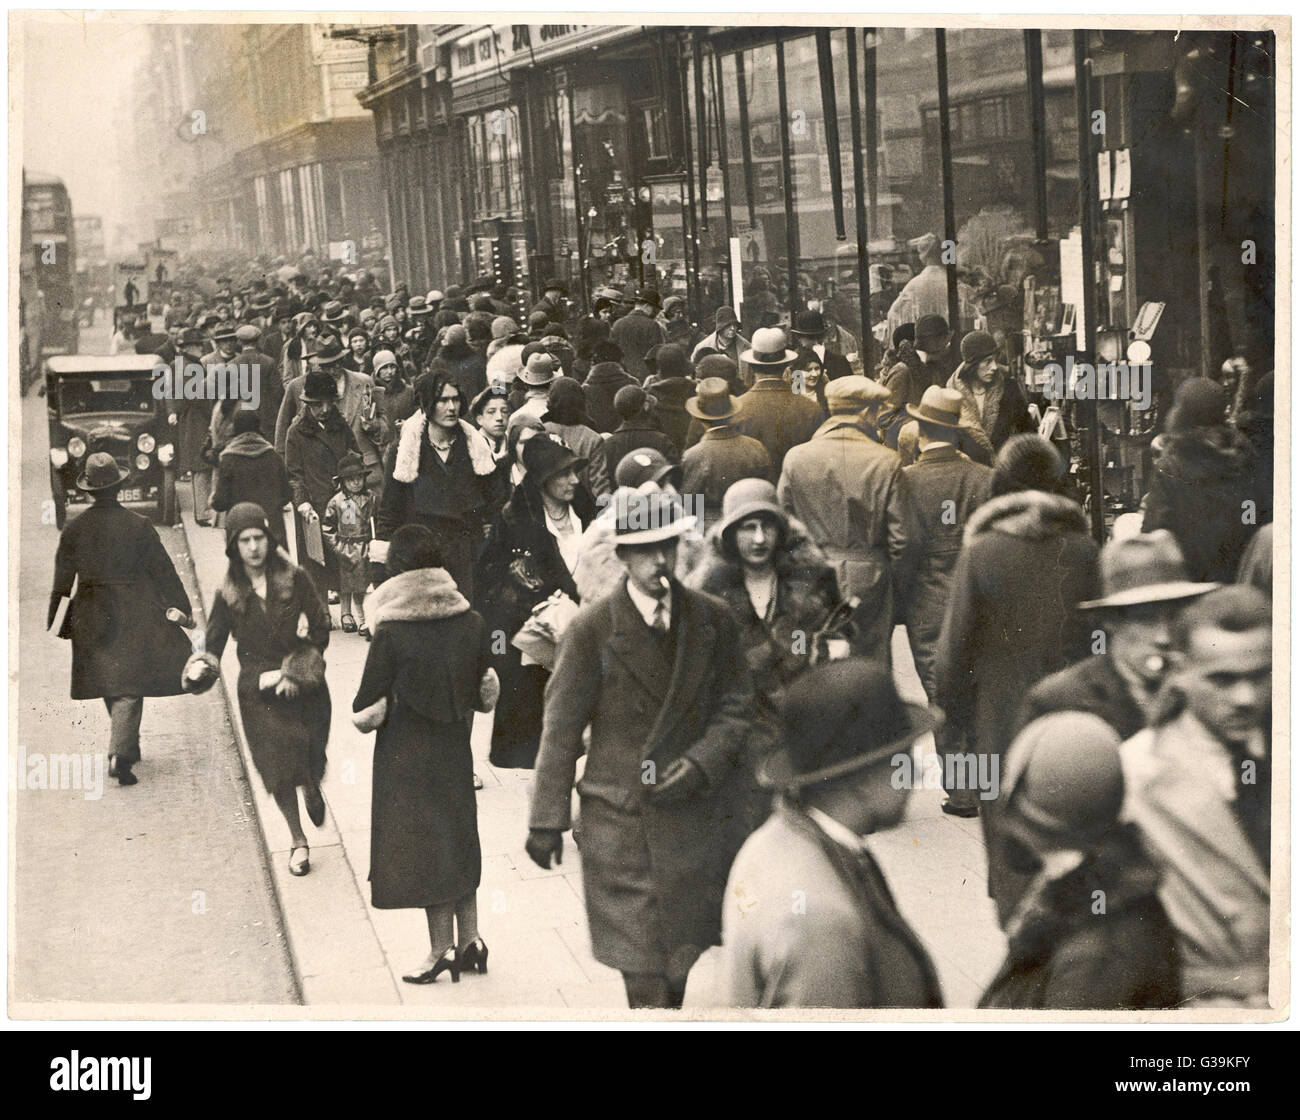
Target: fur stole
[(1032, 514), (418, 595), (406, 465)]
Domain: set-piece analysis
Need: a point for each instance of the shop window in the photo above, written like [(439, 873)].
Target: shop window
[(495, 163)]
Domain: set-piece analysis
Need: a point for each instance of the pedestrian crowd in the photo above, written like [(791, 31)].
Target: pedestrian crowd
[(671, 564)]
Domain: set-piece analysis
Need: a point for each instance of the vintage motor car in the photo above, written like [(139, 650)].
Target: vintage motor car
[(107, 403)]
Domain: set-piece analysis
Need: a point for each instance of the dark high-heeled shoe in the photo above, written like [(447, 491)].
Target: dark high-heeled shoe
[(445, 963), (474, 956)]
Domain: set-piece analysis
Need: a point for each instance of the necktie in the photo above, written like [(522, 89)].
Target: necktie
[(659, 623)]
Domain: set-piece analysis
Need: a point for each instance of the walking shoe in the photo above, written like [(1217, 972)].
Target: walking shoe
[(427, 975), (349, 624), (473, 958), (125, 777), (299, 865), (333, 597), (955, 809)]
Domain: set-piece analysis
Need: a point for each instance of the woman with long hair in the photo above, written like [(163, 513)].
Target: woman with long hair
[(281, 627), (426, 675)]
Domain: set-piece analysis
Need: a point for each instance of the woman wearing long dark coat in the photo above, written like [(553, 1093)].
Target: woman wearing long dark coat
[(427, 672), (281, 626), (531, 552), (124, 647), (439, 475)]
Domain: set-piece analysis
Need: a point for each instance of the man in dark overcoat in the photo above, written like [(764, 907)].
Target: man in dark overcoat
[(637, 332), (124, 645), (655, 669)]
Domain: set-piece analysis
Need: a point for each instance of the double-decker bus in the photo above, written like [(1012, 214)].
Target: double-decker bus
[(48, 270)]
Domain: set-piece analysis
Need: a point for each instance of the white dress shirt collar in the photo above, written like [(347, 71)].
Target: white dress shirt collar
[(646, 604)]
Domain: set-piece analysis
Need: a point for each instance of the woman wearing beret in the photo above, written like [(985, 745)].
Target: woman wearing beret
[(426, 674), (281, 627)]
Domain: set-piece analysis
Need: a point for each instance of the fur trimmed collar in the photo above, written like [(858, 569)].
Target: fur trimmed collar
[(419, 595), (1032, 514), (279, 583), (406, 465)]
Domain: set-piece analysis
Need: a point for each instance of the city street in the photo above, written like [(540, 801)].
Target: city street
[(152, 894), (194, 824)]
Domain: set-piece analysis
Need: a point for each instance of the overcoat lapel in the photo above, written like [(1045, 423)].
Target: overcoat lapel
[(631, 643), (695, 645)]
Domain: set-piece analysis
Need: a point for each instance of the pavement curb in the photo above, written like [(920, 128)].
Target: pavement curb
[(302, 938)]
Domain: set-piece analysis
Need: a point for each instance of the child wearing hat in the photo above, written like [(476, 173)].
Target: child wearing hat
[(347, 528)]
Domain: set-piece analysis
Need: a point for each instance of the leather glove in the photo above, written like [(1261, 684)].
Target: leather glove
[(681, 780), (542, 844)]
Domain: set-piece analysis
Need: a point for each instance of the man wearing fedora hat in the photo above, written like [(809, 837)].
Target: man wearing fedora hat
[(122, 621), (652, 668), (723, 454), (533, 386), (1144, 585), (808, 919), (938, 494), (843, 485), (638, 331), (770, 411)]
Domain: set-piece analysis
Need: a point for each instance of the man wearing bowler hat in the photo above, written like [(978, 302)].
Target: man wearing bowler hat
[(1145, 584), (653, 669), (843, 485), (938, 493), (638, 331), (810, 330), (808, 919), (124, 620), (723, 454), (773, 412), (908, 383)]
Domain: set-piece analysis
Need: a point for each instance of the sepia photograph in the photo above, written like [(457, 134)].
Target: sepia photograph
[(662, 518)]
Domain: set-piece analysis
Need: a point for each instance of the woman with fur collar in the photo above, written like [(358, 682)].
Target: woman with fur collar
[(1026, 561), (994, 407), (426, 675), (531, 552), (439, 474), (781, 589), (281, 627)]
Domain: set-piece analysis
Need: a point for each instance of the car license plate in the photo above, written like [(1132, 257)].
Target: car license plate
[(130, 495)]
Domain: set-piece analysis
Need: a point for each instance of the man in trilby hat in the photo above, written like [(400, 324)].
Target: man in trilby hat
[(779, 415), (724, 455), (652, 667), (843, 485), (123, 619), (808, 919)]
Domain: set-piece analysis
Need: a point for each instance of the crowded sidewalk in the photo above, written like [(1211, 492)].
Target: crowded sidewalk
[(347, 953)]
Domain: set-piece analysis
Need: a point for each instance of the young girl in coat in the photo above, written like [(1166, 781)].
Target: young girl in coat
[(347, 529)]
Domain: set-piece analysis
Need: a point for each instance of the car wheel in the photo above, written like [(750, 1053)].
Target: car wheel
[(167, 508)]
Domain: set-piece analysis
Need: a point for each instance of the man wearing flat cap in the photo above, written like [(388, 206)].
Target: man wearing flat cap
[(653, 669), (270, 391), (843, 485), (808, 919)]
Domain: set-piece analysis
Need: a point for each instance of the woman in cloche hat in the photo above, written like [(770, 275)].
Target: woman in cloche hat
[(281, 627)]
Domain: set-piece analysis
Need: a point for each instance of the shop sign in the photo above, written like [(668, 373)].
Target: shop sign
[(505, 45)]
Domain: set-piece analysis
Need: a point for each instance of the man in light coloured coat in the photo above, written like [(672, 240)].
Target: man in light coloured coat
[(843, 485)]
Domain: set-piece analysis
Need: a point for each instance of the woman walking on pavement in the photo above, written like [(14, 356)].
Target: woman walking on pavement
[(427, 672), (280, 624), (122, 621)]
